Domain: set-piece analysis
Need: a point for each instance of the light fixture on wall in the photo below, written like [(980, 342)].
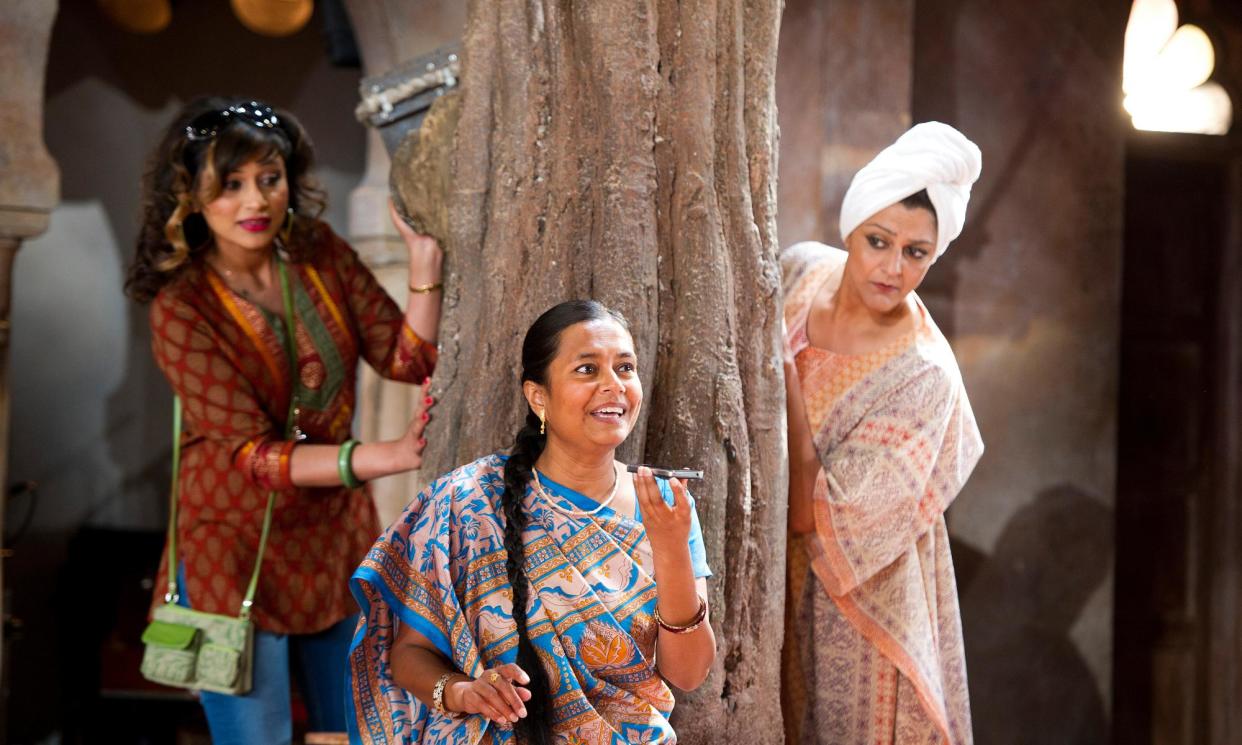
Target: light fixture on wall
[(1165, 74), (273, 17), (138, 16), (267, 17)]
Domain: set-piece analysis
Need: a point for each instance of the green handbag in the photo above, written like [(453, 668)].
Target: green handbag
[(187, 648)]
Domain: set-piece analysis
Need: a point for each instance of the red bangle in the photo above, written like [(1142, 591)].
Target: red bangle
[(692, 626)]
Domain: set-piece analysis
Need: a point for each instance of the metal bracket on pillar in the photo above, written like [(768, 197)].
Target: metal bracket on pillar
[(396, 101)]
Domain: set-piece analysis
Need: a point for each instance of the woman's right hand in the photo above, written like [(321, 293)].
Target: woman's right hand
[(498, 694), (413, 441), (426, 258)]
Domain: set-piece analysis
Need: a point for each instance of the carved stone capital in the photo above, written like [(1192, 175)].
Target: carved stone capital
[(29, 178)]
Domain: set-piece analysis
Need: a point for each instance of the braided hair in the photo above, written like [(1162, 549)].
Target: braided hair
[(539, 348)]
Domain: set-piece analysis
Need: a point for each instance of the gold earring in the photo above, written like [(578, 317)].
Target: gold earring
[(542, 424), (287, 229)]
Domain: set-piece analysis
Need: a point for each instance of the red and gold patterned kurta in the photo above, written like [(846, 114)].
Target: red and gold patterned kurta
[(227, 360), (874, 652)]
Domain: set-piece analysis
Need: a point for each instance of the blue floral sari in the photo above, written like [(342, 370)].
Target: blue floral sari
[(441, 569)]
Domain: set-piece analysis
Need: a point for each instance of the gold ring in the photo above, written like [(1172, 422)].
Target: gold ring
[(494, 678)]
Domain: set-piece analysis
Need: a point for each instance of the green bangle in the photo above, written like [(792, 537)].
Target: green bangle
[(344, 464)]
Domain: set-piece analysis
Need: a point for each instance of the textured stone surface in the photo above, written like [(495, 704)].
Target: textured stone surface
[(29, 188), (1030, 297), (422, 169), (843, 92), (626, 152), (390, 32), (29, 179)]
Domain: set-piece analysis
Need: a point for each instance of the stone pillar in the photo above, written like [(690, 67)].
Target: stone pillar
[(388, 33), (843, 92), (29, 189)]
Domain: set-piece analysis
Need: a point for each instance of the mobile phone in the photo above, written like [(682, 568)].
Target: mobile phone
[(669, 473)]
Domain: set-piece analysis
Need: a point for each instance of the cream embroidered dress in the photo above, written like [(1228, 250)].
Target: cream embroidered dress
[(874, 650)]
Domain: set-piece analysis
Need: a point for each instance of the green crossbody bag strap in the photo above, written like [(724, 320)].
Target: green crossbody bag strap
[(171, 596)]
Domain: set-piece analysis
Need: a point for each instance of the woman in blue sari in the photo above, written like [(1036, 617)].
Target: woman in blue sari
[(545, 594)]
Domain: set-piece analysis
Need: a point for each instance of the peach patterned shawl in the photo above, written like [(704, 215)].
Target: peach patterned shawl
[(897, 440)]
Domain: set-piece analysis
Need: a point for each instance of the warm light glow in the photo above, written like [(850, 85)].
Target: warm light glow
[(1205, 109), (273, 17), (1152, 23), (138, 16), (1186, 60), (1165, 73)]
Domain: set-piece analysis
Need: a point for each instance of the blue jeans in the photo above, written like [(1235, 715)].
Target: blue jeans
[(262, 717)]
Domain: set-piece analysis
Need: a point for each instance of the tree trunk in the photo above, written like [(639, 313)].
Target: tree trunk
[(625, 151)]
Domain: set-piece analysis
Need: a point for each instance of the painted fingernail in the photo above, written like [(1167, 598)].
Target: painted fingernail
[(426, 416), (428, 401), (422, 442)]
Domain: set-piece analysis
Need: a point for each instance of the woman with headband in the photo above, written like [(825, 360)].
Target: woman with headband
[(881, 440), (259, 316)]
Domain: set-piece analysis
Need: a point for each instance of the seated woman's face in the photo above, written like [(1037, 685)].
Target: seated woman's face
[(890, 254), (250, 209), (593, 394)]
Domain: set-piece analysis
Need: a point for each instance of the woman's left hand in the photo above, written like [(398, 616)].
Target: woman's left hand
[(426, 256), (668, 526)]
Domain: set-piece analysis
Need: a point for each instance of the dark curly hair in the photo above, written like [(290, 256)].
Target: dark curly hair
[(539, 348), (183, 173)]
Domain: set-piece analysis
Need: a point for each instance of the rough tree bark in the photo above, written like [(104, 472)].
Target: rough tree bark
[(625, 151)]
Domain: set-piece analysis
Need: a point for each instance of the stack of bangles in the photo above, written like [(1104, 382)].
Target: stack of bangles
[(437, 695), (345, 466), (694, 624)]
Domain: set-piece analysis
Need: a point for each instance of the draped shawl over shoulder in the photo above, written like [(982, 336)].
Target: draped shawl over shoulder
[(441, 569), (896, 440)]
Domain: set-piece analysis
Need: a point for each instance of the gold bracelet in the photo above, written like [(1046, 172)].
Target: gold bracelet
[(694, 624), (424, 289), (437, 696)]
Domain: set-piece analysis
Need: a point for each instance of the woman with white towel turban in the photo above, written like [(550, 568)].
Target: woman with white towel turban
[(881, 439)]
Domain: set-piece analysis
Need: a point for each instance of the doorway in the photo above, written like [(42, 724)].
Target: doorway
[(1176, 637)]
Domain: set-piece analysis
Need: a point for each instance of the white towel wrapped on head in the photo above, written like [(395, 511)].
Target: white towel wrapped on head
[(931, 156)]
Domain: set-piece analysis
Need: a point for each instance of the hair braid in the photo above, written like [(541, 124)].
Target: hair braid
[(538, 350), (527, 446)]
